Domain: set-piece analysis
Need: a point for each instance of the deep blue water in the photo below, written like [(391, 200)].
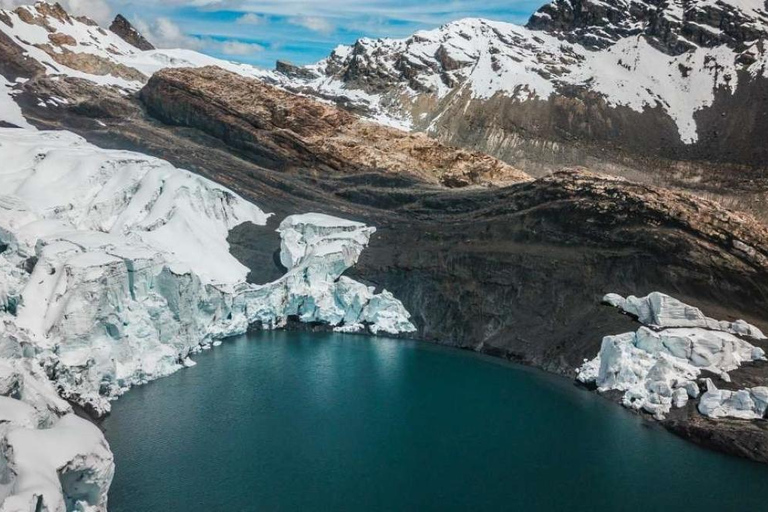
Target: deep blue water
[(305, 422)]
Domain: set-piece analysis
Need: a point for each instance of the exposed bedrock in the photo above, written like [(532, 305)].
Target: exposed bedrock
[(123, 28), (578, 128), (283, 130), (522, 274)]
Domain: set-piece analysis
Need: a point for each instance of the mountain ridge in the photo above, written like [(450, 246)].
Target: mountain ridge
[(541, 99)]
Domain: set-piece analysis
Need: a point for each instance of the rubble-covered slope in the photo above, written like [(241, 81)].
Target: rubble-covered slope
[(281, 129)]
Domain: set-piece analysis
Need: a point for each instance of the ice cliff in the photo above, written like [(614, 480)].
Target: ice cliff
[(114, 269), (658, 366), (316, 249), (50, 459)]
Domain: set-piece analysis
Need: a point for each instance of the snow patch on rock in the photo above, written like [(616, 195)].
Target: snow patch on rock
[(657, 366)]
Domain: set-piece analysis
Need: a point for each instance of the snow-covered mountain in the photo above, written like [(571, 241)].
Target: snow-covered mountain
[(679, 80), (56, 43), (44, 40), (595, 83)]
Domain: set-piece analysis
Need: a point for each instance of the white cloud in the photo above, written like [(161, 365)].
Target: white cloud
[(164, 33), (235, 47), (11, 4), (314, 23), (251, 19), (98, 10)]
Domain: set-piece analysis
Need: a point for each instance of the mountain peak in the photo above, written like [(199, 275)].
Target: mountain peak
[(123, 28), (672, 26)]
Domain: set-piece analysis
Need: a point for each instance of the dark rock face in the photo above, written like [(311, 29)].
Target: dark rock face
[(14, 63), (577, 128), (293, 71), (674, 26), (123, 28)]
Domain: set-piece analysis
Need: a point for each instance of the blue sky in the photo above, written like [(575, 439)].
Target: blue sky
[(301, 31)]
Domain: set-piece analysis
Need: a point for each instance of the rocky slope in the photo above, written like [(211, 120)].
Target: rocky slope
[(283, 130), (123, 28), (667, 92)]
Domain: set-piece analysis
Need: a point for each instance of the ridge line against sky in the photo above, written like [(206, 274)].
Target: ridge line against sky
[(262, 31)]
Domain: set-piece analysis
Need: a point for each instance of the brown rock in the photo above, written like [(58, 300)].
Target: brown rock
[(291, 131), (92, 64), (14, 62), (60, 39)]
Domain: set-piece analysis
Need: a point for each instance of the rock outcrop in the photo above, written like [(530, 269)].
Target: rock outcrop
[(123, 28), (281, 129)]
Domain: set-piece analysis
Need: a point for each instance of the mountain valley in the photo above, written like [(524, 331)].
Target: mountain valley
[(481, 185)]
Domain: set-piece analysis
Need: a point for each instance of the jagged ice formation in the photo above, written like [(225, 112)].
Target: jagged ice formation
[(657, 367), (114, 269)]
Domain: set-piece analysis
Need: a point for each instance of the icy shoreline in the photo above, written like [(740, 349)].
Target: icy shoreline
[(115, 270), (659, 367)]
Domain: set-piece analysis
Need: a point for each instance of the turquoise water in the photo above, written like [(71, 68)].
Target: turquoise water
[(305, 422)]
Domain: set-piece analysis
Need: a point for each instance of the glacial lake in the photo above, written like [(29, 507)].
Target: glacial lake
[(322, 422)]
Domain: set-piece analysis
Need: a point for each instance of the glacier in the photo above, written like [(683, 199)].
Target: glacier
[(658, 366), (115, 271), (745, 404)]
